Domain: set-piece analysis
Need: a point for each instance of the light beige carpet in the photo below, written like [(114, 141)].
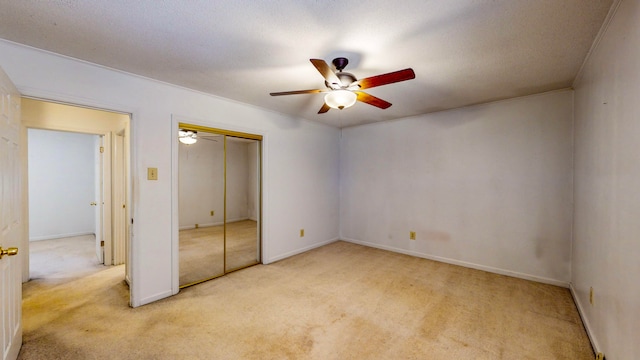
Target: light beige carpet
[(202, 250), (63, 259), (340, 301)]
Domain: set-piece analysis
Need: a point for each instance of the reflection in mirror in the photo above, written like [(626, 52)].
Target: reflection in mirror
[(242, 204), (201, 208)]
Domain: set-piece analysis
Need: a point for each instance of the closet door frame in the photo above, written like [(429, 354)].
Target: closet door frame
[(226, 133)]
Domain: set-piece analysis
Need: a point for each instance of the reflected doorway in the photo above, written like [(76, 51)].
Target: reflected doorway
[(219, 202)]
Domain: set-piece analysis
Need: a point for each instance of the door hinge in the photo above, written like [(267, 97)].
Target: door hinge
[(101, 149), (102, 243)]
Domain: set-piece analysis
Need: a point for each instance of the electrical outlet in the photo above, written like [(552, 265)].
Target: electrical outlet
[(212, 212), (412, 235), (301, 232), (591, 295), (600, 356)]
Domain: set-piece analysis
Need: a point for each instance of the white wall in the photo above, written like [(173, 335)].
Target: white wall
[(201, 182), (237, 180), (486, 186), (301, 158), (253, 174), (61, 184), (606, 245)]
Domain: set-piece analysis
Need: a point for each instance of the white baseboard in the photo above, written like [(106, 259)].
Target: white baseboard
[(585, 321), (190, 226), (150, 299), (463, 263), (297, 251), (58, 236)]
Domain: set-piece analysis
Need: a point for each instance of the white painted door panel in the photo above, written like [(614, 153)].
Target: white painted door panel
[(10, 219), (119, 218), (97, 204), (106, 200)]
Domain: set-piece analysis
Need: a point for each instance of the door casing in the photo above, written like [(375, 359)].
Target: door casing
[(87, 126), (227, 130)]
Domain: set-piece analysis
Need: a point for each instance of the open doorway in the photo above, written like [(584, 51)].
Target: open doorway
[(64, 182), (78, 184)]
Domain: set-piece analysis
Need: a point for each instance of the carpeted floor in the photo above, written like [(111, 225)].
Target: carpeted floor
[(340, 301), (202, 250), (63, 259)]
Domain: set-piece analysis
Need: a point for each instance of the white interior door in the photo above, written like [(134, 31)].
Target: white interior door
[(97, 203), (10, 219), (118, 195), (104, 241), (107, 210)]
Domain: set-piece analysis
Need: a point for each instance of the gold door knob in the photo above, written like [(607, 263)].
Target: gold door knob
[(93, 203), (8, 252)]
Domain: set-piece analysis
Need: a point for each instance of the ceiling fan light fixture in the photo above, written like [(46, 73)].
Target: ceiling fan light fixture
[(187, 137), (340, 99)]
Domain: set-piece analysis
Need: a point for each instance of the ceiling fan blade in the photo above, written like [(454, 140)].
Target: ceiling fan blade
[(315, 91), (324, 108), (327, 73), (388, 78), (372, 100)]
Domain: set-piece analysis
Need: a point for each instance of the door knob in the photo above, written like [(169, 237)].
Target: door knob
[(93, 203), (8, 252)]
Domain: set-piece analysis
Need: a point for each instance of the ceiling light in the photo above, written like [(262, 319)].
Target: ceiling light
[(187, 137), (340, 99)]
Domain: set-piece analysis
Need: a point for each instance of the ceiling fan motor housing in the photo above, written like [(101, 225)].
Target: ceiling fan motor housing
[(340, 63), (345, 78)]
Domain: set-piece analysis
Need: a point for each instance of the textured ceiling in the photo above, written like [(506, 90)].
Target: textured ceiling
[(462, 51)]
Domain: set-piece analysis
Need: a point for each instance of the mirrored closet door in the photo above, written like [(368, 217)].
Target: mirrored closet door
[(219, 202)]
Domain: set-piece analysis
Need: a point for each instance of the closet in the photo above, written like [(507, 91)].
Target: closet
[(219, 192)]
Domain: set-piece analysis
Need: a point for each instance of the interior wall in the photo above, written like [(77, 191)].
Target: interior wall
[(237, 181), (61, 184), (253, 174), (201, 183), (606, 250), (301, 158), (487, 186)]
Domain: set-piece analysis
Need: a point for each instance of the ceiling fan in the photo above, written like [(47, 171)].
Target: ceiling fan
[(190, 137), (344, 89)]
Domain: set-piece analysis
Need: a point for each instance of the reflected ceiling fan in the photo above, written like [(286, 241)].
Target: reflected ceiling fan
[(190, 137), (344, 89)]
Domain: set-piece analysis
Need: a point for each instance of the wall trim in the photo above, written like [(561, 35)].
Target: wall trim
[(592, 338), (59, 236), (298, 251), (596, 42), (466, 264), (189, 227), (150, 299), (470, 106)]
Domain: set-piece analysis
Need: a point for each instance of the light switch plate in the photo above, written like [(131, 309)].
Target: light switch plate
[(152, 173)]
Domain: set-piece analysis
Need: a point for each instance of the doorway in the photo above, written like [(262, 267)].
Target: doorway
[(106, 199), (62, 181), (219, 202)]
